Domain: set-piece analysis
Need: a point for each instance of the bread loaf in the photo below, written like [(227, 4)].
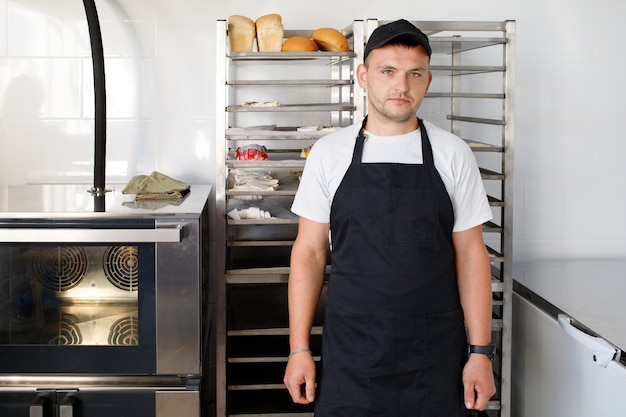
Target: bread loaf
[(299, 44), (241, 33), (329, 39), (269, 33)]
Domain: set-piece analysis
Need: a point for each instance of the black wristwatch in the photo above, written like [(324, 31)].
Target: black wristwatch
[(489, 350)]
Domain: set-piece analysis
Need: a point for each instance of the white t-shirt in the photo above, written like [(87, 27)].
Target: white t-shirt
[(331, 155)]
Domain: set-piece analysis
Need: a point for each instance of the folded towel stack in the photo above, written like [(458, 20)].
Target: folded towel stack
[(253, 181)]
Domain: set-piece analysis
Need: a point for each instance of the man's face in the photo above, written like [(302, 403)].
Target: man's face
[(396, 79)]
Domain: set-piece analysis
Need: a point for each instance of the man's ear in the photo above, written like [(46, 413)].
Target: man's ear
[(361, 76)]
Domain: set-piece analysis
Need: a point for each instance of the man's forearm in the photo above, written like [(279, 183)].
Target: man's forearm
[(306, 278), (474, 280)]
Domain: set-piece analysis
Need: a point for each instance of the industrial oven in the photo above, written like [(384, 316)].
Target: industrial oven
[(103, 312)]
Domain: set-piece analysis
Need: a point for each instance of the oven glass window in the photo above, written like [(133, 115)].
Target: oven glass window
[(69, 295)]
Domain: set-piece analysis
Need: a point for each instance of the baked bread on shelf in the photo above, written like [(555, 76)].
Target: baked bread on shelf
[(299, 44), (329, 39), (269, 33), (241, 34)]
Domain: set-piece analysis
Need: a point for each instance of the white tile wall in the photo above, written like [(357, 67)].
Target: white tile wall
[(570, 177), (3, 23)]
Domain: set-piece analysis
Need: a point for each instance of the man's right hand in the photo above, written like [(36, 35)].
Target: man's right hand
[(300, 378)]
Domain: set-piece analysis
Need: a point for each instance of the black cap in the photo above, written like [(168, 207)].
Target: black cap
[(396, 31)]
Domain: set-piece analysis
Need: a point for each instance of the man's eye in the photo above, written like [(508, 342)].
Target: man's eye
[(416, 74), (387, 72)]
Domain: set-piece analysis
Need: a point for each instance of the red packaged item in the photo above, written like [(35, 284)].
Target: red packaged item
[(251, 153)]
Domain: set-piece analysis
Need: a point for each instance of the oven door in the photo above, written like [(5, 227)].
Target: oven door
[(78, 296)]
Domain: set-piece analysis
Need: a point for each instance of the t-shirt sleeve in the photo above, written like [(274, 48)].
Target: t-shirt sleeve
[(469, 199), (312, 199)]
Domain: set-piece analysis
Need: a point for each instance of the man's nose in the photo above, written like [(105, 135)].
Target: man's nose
[(402, 83)]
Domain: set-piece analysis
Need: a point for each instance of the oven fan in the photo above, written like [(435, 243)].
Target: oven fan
[(120, 265), (66, 332), (124, 332), (60, 268)]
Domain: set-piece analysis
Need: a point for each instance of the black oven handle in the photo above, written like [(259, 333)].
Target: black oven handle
[(71, 235)]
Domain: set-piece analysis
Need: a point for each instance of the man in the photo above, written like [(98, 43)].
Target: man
[(404, 203)]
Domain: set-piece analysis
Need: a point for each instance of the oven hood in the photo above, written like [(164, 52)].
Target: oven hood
[(19, 201)]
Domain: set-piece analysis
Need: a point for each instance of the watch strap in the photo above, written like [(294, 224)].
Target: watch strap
[(489, 350)]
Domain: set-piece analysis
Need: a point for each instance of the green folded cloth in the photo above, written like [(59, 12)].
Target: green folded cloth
[(156, 186)]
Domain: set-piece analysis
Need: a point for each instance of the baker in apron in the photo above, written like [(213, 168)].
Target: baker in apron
[(394, 338), (394, 341)]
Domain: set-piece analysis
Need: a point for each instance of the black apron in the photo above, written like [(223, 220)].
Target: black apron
[(394, 341)]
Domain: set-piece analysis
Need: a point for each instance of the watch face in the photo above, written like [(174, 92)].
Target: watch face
[(492, 354)]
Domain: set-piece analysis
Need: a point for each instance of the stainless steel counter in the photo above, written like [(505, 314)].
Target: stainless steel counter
[(74, 200), (591, 292)]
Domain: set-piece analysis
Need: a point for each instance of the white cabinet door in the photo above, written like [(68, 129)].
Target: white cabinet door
[(553, 375)]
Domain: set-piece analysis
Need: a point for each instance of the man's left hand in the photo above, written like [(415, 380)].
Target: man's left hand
[(478, 382)]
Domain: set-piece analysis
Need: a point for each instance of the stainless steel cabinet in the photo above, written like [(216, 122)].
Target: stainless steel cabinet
[(277, 101)]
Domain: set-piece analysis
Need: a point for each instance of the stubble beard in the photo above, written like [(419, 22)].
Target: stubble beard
[(394, 115)]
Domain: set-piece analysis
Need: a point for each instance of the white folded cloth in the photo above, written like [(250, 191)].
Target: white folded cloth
[(249, 213), (253, 181)]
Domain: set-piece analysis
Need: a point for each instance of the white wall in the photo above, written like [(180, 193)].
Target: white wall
[(570, 176)]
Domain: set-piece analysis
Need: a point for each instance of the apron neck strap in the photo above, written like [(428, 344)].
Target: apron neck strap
[(360, 140), (427, 152)]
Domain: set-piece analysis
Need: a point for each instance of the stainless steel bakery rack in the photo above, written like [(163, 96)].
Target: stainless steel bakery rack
[(282, 102), (472, 95)]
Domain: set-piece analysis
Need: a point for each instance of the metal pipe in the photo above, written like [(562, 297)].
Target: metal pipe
[(97, 57)]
